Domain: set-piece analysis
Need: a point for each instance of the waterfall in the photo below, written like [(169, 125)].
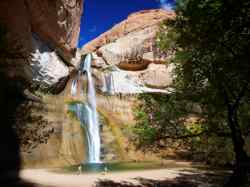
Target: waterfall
[(93, 122), (88, 114), (74, 87), (108, 84)]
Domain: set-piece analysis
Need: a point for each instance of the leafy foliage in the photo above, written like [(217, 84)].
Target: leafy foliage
[(172, 123), (211, 43)]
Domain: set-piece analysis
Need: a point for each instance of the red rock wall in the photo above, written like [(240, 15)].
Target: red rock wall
[(56, 22), (134, 22)]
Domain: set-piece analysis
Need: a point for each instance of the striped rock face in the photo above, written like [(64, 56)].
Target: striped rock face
[(126, 57)]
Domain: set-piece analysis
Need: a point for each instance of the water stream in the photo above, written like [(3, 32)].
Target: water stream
[(87, 112)]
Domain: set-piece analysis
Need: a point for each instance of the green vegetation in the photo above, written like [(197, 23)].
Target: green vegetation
[(209, 109), (169, 122), (114, 167), (73, 101), (72, 115), (71, 109)]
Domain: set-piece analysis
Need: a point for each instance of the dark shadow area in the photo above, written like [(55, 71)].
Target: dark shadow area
[(10, 99), (184, 180)]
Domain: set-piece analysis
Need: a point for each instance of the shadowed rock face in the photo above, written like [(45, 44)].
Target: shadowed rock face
[(56, 24)]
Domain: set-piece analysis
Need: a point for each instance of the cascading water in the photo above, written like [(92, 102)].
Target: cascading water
[(108, 84), (74, 87), (88, 115)]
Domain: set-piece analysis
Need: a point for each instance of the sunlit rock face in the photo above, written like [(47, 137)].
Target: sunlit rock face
[(135, 22), (158, 76), (47, 67), (51, 136), (126, 59), (56, 24), (126, 52), (131, 82)]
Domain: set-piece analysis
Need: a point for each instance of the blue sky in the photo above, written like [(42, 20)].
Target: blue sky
[(101, 15)]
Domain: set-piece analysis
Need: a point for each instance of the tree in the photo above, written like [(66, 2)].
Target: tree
[(211, 40), (214, 36)]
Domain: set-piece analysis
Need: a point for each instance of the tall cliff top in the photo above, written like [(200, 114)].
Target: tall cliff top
[(135, 21)]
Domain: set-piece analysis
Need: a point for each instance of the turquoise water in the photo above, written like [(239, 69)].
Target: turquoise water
[(113, 167)]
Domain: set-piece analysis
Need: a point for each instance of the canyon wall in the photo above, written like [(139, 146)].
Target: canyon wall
[(51, 136), (127, 62), (39, 39), (127, 59)]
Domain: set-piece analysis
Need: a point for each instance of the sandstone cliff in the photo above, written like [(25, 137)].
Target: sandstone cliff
[(126, 61), (37, 40), (39, 36), (51, 136), (126, 58), (135, 22)]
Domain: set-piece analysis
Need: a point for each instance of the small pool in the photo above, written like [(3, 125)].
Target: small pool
[(112, 167)]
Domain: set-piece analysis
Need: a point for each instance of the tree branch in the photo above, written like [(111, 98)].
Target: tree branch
[(240, 96)]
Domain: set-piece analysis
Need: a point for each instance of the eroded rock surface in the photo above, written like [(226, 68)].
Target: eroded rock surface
[(135, 22), (37, 40), (47, 67), (56, 24), (126, 52), (126, 57), (50, 136), (158, 76)]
